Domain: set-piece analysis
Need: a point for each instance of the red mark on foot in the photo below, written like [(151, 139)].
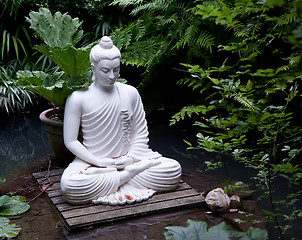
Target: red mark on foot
[(128, 197)]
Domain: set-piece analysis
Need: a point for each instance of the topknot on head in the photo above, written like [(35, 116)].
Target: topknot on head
[(106, 43), (104, 50)]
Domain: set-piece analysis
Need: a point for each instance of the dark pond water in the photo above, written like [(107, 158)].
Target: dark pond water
[(24, 140)]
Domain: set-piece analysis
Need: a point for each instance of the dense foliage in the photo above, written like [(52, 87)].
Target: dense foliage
[(243, 58), (15, 51), (237, 65), (60, 33), (163, 34), (17, 39), (251, 97)]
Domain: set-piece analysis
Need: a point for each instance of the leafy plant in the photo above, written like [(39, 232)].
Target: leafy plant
[(249, 94), (100, 18), (8, 230), (11, 206), (198, 231), (12, 97), (60, 33), (162, 34)]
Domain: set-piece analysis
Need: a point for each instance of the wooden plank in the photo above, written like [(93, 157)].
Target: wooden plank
[(138, 210), (50, 173), (59, 198), (54, 193), (55, 186), (54, 179), (74, 216), (66, 206), (105, 208)]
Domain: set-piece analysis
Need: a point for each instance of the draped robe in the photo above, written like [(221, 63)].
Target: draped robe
[(118, 127)]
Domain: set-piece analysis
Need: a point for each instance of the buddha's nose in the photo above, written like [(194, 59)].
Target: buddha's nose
[(111, 75)]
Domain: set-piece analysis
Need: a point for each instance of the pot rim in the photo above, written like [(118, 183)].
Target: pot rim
[(44, 117)]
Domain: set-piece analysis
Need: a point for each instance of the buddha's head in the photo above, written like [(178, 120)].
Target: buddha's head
[(105, 61)]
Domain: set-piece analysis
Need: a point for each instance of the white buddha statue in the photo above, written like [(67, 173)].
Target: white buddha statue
[(114, 164)]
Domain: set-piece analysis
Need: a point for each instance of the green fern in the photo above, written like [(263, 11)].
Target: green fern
[(125, 3), (157, 5), (147, 51), (190, 33), (285, 19), (248, 103), (123, 37), (189, 111)]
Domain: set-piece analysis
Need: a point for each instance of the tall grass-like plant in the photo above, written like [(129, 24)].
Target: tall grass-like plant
[(250, 98), (13, 98), (15, 39)]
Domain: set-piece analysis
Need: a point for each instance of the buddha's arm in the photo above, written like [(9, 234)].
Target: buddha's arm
[(72, 118)]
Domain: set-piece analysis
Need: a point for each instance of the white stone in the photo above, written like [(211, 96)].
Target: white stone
[(217, 198)]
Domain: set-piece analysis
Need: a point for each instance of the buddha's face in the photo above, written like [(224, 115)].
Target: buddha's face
[(106, 72)]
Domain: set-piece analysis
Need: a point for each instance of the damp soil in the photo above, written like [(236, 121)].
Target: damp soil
[(42, 222)]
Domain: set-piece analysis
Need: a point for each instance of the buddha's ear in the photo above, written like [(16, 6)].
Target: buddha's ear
[(92, 67)]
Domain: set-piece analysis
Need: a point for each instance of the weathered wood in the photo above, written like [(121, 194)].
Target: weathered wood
[(54, 193), (74, 216), (54, 179), (55, 186), (134, 211), (58, 200), (155, 199), (66, 206), (46, 173)]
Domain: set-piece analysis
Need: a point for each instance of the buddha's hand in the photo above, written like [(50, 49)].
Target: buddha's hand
[(123, 161)]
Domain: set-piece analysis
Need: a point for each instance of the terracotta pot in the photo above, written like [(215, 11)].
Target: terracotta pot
[(54, 129)]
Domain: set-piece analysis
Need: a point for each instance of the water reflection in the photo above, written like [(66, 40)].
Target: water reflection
[(22, 140)]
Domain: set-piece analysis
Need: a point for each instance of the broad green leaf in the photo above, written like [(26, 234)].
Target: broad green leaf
[(198, 231), (8, 230), (56, 30), (53, 87), (194, 230), (3, 199), (14, 206), (255, 234), (39, 78), (73, 61), (2, 180)]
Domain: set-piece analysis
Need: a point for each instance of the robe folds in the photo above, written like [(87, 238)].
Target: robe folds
[(118, 127)]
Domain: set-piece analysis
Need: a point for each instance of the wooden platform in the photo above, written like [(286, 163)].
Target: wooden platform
[(85, 215)]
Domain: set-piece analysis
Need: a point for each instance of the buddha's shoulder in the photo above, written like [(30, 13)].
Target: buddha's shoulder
[(78, 95), (130, 90)]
